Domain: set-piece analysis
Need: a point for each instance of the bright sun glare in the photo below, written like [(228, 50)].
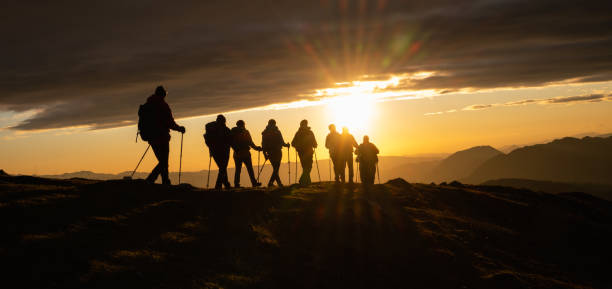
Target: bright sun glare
[(354, 112), (353, 103)]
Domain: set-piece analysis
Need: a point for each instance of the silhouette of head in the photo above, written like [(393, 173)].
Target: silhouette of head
[(366, 139), (344, 129), (221, 119), (271, 122), (303, 123), (160, 91), (332, 127), (240, 123)]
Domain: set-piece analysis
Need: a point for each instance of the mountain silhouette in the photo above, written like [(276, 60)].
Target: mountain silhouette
[(462, 163), (130, 234), (568, 160)]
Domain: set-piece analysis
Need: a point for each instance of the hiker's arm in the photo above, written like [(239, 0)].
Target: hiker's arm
[(314, 140), (171, 123), (252, 144)]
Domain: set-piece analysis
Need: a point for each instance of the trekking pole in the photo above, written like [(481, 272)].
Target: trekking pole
[(357, 177), (317, 162), (181, 159), (378, 172), (296, 168), (209, 162), (289, 164), (143, 155), (262, 167), (329, 164)]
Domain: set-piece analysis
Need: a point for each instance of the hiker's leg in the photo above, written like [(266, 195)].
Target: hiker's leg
[(306, 162), (225, 160), (165, 150), (349, 163), (238, 164), (248, 163), (219, 183), (336, 164), (342, 168), (157, 169)]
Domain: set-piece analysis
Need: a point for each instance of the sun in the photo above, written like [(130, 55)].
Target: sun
[(352, 111)]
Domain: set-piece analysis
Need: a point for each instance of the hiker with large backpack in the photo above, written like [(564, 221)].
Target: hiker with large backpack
[(218, 139), (304, 143), (242, 144), (367, 157), (332, 141), (155, 121), (272, 143)]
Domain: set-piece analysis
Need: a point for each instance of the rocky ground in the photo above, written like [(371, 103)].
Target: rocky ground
[(128, 234)]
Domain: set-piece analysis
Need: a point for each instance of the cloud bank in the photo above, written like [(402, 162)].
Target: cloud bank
[(553, 100), (91, 64)]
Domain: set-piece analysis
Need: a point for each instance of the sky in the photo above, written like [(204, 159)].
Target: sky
[(417, 77)]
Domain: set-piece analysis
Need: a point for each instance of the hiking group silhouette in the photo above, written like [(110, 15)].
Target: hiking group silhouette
[(156, 121)]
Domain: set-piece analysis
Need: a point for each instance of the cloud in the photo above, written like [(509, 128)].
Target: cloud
[(84, 64), (478, 107), (581, 98), (553, 100)]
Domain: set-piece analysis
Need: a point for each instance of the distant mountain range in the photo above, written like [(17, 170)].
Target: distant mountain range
[(563, 165), (568, 160)]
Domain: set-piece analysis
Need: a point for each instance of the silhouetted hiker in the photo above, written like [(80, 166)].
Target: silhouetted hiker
[(332, 142), (304, 143), (272, 143), (367, 156), (242, 144), (218, 140), (345, 153), (154, 124)]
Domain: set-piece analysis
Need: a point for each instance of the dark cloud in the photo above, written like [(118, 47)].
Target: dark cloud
[(91, 63)]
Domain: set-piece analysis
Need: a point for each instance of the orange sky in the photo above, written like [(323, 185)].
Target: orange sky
[(424, 125)]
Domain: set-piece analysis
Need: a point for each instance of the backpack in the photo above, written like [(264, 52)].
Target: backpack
[(270, 140), (210, 131), (146, 121), (240, 139)]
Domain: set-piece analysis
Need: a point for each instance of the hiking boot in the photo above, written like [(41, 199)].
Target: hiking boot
[(255, 185)]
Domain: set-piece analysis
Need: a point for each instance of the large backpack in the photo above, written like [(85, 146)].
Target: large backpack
[(210, 133), (146, 121)]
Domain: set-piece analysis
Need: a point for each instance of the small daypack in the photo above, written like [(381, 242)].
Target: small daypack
[(146, 121)]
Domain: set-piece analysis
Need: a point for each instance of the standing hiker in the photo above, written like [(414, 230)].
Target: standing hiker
[(345, 154), (154, 125), (367, 157), (218, 139), (272, 143), (304, 143), (332, 142), (242, 144)]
